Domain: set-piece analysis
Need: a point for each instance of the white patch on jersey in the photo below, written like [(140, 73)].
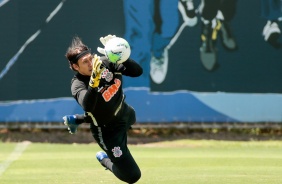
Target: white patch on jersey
[(117, 152), (107, 75)]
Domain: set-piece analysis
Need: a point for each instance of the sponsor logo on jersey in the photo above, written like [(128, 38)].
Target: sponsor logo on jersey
[(111, 90)]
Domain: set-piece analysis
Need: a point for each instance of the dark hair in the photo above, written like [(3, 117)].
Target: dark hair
[(76, 50)]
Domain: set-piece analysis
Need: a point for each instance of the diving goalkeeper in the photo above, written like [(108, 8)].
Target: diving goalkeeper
[(97, 87)]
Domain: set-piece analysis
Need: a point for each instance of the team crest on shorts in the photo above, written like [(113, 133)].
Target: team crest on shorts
[(108, 76), (117, 152)]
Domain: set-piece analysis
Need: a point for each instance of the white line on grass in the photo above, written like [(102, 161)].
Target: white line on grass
[(19, 149)]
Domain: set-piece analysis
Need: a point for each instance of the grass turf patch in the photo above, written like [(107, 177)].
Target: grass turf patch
[(182, 161)]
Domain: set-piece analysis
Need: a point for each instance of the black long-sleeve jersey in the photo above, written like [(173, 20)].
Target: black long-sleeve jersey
[(103, 103)]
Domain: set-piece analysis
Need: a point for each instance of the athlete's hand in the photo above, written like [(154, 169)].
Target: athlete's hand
[(104, 41), (97, 70), (69, 120)]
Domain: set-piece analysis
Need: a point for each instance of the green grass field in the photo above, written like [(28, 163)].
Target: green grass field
[(182, 161)]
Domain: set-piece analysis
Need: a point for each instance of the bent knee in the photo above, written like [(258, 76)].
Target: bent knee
[(134, 176)]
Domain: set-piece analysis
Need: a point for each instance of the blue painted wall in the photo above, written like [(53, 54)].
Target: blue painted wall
[(35, 78)]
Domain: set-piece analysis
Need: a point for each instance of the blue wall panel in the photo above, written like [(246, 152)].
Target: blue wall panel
[(35, 78)]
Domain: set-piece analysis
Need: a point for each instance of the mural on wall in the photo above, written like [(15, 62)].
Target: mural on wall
[(202, 61), (226, 46)]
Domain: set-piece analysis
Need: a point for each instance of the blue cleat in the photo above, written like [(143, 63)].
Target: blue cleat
[(69, 120), (101, 155)]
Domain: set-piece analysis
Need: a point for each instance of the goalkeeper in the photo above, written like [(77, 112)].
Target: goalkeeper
[(97, 87)]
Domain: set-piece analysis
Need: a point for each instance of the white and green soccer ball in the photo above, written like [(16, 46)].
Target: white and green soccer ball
[(117, 50)]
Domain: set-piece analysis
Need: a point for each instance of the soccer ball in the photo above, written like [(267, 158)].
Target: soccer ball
[(117, 50)]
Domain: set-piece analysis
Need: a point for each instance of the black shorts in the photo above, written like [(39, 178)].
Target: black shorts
[(113, 138)]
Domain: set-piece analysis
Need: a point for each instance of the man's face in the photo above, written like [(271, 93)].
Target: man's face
[(84, 65)]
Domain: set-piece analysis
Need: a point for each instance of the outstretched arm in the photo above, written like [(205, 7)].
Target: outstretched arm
[(130, 68)]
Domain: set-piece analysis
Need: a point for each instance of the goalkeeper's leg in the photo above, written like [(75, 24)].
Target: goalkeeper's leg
[(125, 169), (118, 159)]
